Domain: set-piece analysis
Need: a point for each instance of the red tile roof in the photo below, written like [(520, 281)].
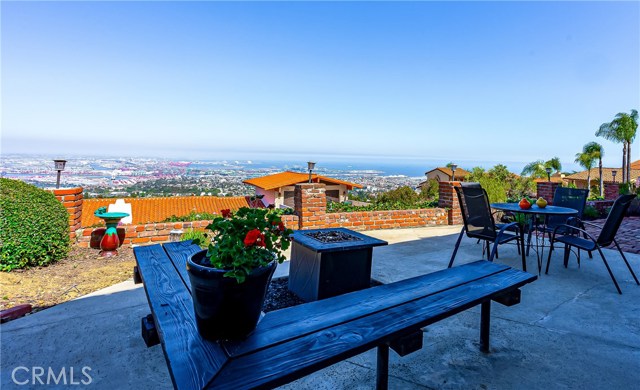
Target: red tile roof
[(635, 164), (153, 210), (447, 171), (607, 175), (288, 178)]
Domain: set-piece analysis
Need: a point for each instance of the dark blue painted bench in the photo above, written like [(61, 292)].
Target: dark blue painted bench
[(293, 342)]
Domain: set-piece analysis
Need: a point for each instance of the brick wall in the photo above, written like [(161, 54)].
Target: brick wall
[(601, 205), (389, 219), (611, 191), (144, 234), (310, 204), (291, 222), (71, 198), (448, 199), (546, 190)]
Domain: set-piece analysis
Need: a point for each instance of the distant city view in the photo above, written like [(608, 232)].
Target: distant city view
[(141, 177)]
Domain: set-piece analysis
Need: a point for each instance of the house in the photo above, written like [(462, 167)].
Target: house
[(580, 178), (446, 174), (555, 178), (277, 189)]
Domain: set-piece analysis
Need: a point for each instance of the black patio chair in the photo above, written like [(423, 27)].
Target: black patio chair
[(575, 236), (485, 247), (478, 223), (574, 198)]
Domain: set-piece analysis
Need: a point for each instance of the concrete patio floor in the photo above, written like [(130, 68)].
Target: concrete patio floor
[(571, 331)]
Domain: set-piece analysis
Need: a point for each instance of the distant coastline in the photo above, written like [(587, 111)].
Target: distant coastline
[(383, 166)]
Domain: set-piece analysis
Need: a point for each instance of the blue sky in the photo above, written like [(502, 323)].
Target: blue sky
[(366, 81)]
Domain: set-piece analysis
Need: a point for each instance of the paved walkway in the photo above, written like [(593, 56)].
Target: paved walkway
[(571, 331), (628, 236)]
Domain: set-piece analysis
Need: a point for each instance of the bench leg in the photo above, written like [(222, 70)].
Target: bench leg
[(485, 324), (136, 275), (382, 378), (149, 331)]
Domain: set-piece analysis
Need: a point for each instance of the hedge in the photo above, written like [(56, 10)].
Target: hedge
[(34, 226)]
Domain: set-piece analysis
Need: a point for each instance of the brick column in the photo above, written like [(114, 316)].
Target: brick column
[(611, 191), (449, 199), (310, 205), (546, 190), (71, 198)]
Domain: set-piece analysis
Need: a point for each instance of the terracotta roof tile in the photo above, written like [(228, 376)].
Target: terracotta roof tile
[(606, 174), (288, 178), (447, 171), (635, 165), (153, 210)]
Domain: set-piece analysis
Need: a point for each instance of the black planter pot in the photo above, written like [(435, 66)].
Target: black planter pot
[(225, 309)]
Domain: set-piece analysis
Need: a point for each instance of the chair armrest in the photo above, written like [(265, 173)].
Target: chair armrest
[(586, 234), (507, 226), (591, 224)]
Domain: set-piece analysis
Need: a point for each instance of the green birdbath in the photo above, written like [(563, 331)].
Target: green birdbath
[(110, 241)]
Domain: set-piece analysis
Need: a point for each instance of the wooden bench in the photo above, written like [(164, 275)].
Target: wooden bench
[(293, 342)]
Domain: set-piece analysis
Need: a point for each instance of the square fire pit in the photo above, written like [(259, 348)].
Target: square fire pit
[(329, 262)]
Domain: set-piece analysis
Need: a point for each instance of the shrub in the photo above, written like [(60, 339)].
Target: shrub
[(198, 237), (34, 226), (192, 216), (404, 194), (430, 190), (590, 212)]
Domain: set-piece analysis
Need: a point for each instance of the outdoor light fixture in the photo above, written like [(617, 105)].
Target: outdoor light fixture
[(548, 173), (310, 165), (453, 172), (614, 173), (59, 164)]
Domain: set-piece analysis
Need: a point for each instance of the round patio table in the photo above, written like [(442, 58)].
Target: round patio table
[(535, 210)]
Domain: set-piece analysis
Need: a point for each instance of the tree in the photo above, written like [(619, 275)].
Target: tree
[(586, 160), (538, 169), (500, 172), (622, 129), (597, 151)]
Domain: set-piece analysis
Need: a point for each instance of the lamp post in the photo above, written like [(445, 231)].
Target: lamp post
[(310, 166), (614, 173), (548, 173), (453, 172), (59, 164)]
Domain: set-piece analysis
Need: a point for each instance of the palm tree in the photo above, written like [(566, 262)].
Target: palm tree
[(538, 169), (622, 129), (597, 151), (586, 160)]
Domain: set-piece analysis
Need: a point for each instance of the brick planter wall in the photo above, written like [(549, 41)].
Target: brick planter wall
[(600, 205), (611, 191), (546, 190), (449, 199), (71, 199)]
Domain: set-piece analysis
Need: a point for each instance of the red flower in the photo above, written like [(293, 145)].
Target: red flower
[(254, 237), (280, 225), (226, 213)]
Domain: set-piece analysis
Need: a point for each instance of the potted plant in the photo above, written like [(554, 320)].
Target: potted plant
[(229, 280)]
